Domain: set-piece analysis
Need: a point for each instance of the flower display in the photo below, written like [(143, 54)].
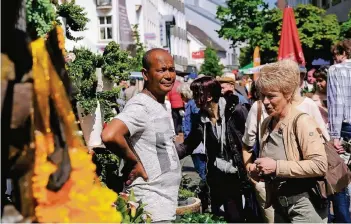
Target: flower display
[(80, 199)]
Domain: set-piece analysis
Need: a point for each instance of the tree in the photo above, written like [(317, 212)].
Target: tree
[(345, 28), (242, 21), (82, 72), (139, 49), (41, 17), (211, 65), (117, 63), (76, 18), (317, 31), (246, 55)]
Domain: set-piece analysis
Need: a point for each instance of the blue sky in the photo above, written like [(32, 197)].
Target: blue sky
[(271, 2)]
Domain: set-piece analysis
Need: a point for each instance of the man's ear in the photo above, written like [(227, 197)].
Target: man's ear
[(145, 75)]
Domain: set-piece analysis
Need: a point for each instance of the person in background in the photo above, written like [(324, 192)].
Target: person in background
[(339, 116), (121, 100), (142, 135), (228, 86), (251, 137), (221, 128), (320, 96), (307, 105), (286, 174), (309, 82), (132, 90), (177, 106), (192, 118)]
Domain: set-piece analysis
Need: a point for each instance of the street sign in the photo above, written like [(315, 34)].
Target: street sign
[(198, 54), (150, 36)]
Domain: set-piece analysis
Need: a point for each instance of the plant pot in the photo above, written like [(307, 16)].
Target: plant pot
[(91, 125), (190, 205)]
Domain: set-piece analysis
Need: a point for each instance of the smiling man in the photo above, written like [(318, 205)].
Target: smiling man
[(143, 136)]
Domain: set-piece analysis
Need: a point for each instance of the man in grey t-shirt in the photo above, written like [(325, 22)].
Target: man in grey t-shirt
[(152, 165)]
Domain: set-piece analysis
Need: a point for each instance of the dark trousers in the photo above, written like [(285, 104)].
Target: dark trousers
[(341, 200), (177, 120), (225, 191)]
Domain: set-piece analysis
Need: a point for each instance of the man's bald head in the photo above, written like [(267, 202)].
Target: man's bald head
[(147, 56)]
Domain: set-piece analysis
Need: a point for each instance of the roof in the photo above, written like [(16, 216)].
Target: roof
[(201, 36)]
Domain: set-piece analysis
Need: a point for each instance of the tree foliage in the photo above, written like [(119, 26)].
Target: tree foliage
[(76, 18), (139, 49), (317, 31), (40, 16), (246, 55), (117, 63), (345, 28), (211, 65), (82, 72)]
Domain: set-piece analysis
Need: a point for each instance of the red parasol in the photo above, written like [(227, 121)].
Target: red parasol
[(290, 45)]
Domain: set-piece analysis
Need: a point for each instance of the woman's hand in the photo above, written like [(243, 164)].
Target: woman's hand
[(266, 166), (253, 172)]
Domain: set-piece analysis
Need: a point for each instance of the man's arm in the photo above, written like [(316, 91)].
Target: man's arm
[(114, 137), (335, 106)]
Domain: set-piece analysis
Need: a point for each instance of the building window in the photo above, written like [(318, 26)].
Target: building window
[(315, 2), (105, 26), (103, 2)]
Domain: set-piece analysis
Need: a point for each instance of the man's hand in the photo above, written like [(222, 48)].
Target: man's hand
[(132, 172), (338, 146), (266, 165)]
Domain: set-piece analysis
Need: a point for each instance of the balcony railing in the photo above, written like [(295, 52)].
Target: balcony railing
[(104, 4)]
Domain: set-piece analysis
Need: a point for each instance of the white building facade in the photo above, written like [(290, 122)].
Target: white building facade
[(202, 14), (161, 24)]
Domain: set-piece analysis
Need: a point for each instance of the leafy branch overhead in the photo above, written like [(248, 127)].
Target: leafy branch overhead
[(76, 18), (251, 22)]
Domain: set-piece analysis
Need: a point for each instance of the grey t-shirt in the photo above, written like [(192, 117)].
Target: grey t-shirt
[(152, 135)]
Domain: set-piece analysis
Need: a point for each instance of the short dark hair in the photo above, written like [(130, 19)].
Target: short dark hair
[(145, 60), (322, 73), (341, 47), (132, 82), (205, 87)]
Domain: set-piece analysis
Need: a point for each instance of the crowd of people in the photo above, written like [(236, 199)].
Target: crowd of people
[(258, 146)]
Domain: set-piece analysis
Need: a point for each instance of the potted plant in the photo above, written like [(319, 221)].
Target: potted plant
[(187, 200), (82, 72)]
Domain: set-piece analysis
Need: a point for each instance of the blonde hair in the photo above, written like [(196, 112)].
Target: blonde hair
[(282, 76), (185, 91)]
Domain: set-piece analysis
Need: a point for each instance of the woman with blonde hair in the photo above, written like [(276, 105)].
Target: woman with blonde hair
[(291, 151)]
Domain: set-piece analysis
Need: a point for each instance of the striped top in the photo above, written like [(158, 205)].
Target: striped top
[(339, 96)]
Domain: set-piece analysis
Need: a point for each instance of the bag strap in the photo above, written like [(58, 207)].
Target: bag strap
[(259, 115), (295, 133)]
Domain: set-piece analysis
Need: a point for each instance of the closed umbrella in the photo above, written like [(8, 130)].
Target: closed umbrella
[(290, 45)]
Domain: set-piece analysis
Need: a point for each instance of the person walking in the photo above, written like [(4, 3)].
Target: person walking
[(177, 106), (288, 159), (142, 135), (131, 91), (339, 117), (221, 128)]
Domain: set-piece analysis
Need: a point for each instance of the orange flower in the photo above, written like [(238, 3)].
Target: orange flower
[(79, 199)]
